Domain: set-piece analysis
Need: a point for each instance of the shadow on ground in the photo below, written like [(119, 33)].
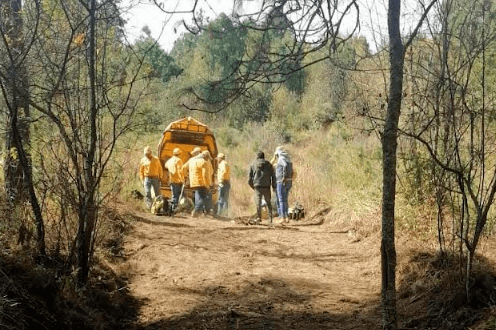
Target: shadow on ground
[(44, 296), (269, 303)]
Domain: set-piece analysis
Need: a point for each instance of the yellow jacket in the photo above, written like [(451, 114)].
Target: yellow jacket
[(185, 168), (174, 166), (223, 172), (210, 173), (150, 168), (198, 172)]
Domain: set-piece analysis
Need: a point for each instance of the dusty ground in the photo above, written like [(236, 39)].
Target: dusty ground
[(209, 273)]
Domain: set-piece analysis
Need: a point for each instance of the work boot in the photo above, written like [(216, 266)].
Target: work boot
[(286, 220), (194, 214)]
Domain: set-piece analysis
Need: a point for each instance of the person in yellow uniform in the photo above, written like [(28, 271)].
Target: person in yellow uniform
[(224, 184), (195, 152), (198, 181), (176, 179), (150, 173), (210, 173)]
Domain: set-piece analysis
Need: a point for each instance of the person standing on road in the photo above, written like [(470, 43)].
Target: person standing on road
[(284, 179), (209, 181), (150, 173), (273, 161), (198, 181), (224, 184), (176, 179), (260, 179)]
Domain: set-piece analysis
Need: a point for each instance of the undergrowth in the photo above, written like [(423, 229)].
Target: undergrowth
[(432, 294), (41, 293)]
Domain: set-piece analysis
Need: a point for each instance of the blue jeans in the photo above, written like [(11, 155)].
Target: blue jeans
[(176, 192), (223, 201), (282, 199), (201, 199), (149, 184)]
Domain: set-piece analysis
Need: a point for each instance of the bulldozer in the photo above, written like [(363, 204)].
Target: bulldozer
[(186, 134)]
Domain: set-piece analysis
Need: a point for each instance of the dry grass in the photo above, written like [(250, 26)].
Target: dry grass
[(40, 292)]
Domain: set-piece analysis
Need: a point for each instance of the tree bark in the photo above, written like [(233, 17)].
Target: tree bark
[(18, 169), (12, 30), (88, 212), (389, 147)]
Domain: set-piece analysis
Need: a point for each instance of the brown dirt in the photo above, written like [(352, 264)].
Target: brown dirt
[(219, 273)]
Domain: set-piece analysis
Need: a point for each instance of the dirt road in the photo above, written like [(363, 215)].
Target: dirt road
[(208, 273)]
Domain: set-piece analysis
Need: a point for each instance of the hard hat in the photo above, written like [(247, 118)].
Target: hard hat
[(206, 154), (147, 150), (221, 155), (196, 151), (176, 151)]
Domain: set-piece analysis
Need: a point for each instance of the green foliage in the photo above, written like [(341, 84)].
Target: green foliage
[(159, 64), (228, 137), (253, 107)]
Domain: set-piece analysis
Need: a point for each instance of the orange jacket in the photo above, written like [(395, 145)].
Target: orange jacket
[(223, 172), (174, 166), (210, 173), (198, 172), (150, 168)]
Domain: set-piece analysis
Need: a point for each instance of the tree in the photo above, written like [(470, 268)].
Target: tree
[(389, 157), (80, 86), (160, 64), (15, 91), (454, 118)]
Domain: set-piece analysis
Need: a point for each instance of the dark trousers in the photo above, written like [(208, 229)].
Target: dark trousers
[(263, 192), (176, 192)]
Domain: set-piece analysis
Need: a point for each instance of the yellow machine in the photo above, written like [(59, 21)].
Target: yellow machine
[(186, 134)]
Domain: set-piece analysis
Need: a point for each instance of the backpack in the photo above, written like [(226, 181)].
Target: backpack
[(160, 206)]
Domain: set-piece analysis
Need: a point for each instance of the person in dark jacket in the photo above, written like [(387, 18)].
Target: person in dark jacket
[(261, 179)]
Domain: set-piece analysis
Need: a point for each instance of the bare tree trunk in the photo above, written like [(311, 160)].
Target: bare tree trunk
[(18, 168), (28, 180), (11, 29), (88, 212), (389, 147)]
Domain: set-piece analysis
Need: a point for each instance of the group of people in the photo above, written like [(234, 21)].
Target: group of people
[(198, 174), (276, 174)]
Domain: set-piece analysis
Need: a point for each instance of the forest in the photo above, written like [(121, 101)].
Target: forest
[(394, 138)]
